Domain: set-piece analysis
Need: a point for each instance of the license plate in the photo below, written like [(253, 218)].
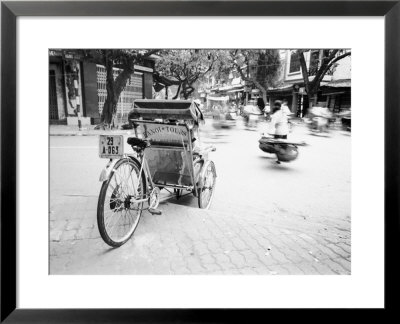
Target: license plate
[(111, 146)]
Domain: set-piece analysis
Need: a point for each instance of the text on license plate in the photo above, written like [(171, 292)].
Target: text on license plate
[(111, 146)]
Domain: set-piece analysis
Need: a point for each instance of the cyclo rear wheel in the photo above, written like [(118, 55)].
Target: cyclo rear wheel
[(206, 193), (117, 215)]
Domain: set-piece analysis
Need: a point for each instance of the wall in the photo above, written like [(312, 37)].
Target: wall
[(59, 88), (90, 92), (343, 69)]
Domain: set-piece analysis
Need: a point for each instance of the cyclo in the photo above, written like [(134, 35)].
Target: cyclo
[(166, 155)]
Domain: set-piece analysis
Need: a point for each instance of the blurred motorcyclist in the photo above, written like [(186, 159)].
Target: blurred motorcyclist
[(251, 114), (285, 108), (320, 119), (278, 126)]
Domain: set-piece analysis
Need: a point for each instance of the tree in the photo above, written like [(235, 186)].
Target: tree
[(319, 68), (183, 68), (125, 61), (257, 67)]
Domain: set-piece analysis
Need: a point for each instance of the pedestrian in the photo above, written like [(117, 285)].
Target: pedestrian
[(278, 126)]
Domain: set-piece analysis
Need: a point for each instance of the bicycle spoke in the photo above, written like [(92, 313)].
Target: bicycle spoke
[(116, 221), (133, 216), (119, 215)]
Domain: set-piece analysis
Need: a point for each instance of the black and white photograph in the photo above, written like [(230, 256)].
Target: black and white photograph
[(175, 161), (200, 161)]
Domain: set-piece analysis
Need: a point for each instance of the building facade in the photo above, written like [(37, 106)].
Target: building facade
[(335, 87), (77, 88)]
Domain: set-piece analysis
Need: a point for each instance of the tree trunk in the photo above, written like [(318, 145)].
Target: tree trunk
[(177, 92), (264, 95), (189, 91), (109, 107), (184, 90), (114, 89), (312, 101)]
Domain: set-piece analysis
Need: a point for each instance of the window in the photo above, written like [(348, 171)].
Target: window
[(294, 62)]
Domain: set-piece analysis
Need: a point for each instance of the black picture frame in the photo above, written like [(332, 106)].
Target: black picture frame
[(10, 10)]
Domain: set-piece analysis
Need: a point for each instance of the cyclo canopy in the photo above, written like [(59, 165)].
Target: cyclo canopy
[(183, 110)]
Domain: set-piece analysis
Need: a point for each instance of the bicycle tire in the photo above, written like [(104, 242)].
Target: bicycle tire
[(204, 201), (117, 204)]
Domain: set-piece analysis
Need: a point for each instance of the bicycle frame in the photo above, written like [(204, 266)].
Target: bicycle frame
[(144, 168)]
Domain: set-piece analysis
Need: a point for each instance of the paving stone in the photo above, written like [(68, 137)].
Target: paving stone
[(338, 250), (239, 244), (187, 242), (335, 267), (237, 259), (200, 248), (279, 256), (68, 235), (249, 255), (194, 265), (55, 235), (247, 271), (207, 258), (345, 247), (307, 268), (292, 269), (278, 270), (344, 263)]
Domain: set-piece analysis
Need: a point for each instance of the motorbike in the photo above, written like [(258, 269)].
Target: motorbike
[(251, 121), (224, 120), (251, 116), (285, 151), (319, 125), (320, 121)]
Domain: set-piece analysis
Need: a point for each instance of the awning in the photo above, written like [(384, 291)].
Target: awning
[(165, 109), (284, 88), (339, 84), (235, 90), (225, 98), (333, 93), (225, 88)]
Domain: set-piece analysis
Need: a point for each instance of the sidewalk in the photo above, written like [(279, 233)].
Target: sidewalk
[(65, 130), (185, 240)]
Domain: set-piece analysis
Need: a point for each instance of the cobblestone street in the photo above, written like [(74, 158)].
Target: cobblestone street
[(265, 218)]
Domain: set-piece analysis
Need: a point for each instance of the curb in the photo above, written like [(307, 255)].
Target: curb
[(85, 134), (73, 134)]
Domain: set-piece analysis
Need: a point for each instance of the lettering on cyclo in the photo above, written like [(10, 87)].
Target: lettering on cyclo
[(166, 129)]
